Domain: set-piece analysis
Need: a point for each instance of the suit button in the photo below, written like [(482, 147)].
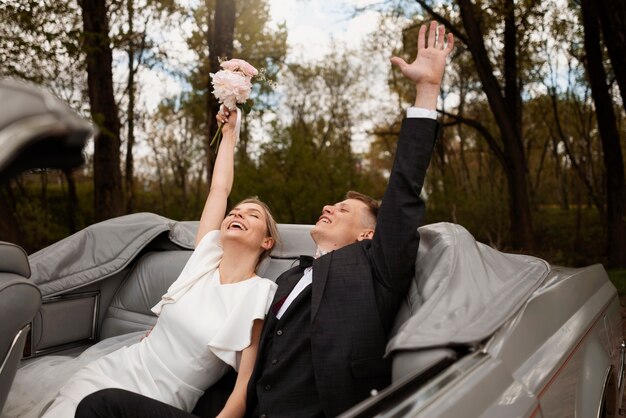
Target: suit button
[(268, 388), (279, 332), (263, 416), (274, 361)]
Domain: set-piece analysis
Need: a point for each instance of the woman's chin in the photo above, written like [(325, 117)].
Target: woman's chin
[(237, 237)]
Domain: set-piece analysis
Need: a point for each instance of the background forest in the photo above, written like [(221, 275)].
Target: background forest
[(530, 157)]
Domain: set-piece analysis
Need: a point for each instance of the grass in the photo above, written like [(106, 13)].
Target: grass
[(618, 277)]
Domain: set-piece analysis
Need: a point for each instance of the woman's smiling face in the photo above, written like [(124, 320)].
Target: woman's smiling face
[(246, 222)]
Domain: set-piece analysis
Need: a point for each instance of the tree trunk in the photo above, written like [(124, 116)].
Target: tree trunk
[(507, 120), (575, 162), (609, 134), (129, 172), (221, 36), (10, 230), (511, 78), (613, 19), (106, 165), (72, 200)]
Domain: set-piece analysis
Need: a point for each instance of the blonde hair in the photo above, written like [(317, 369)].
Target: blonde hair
[(270, 224)]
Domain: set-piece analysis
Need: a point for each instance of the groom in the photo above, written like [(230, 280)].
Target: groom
[(322, 346)]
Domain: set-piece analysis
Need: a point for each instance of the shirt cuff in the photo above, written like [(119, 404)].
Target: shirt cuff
[(420, 112)]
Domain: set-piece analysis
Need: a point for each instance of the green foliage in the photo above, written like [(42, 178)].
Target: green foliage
[(296, 177), (36, 32), (246, 107), (618, 277), (309, 161), (573, 237), (174, 187), (40, 41), (39, 203)]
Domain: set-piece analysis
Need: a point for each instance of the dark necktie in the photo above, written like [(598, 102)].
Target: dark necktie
[(305, 261)]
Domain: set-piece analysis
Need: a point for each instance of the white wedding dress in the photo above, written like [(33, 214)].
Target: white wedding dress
[(202, 328)]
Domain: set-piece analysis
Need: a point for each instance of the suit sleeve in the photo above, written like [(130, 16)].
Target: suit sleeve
[(395, 242)]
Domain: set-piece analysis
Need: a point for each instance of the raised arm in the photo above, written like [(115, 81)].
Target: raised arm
[(395, 242), (222, 178)]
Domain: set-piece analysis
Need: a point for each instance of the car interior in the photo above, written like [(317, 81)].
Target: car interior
[(68, 323)]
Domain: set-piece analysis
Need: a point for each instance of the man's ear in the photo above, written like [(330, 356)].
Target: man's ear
[(365, 234), (268, 243)]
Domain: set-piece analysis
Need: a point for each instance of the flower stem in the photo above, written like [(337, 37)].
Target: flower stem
[(218, 137)]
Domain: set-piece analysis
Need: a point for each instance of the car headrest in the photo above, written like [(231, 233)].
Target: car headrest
[(296, 241), (13, 259)]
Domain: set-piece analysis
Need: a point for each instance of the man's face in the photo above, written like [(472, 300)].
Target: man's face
[(341, 224)]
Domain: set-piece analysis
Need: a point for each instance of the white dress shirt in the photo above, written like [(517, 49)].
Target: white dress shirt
[(302, 284)]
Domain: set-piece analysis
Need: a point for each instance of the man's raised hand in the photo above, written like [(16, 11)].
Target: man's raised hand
[(426, 71)]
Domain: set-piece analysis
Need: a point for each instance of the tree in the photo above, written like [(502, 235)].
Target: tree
[(309, 161), (133, 45), (107, 175), (41, 42), (221, 35), (178, 161), (607, 125), (505, 103), (498, 78), (612, 15), (133, 37), (228, 29)]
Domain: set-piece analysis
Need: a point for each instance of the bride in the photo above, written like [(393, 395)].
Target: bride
[(211, 317)]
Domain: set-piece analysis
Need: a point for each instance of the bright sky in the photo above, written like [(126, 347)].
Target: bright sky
[(313, 24)]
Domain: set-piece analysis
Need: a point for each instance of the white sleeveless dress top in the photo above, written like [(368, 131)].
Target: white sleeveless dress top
[(201, 331)]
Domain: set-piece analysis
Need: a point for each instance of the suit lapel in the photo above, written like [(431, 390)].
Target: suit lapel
[(288, 281), (321, 267)]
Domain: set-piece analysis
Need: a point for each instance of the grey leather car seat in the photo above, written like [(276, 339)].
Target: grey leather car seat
[(148, 280), (19, 302)]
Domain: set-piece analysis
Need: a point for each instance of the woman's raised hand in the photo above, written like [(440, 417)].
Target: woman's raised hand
[(227, 118)]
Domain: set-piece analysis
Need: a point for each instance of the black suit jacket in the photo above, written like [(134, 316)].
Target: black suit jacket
[(356, 290)]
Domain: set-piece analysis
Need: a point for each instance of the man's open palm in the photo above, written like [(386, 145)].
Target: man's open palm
[(430, 62)]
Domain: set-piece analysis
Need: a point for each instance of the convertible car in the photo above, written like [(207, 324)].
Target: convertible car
[(481, 333)]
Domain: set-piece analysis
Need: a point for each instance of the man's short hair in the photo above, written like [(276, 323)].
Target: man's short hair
[(372, 207)]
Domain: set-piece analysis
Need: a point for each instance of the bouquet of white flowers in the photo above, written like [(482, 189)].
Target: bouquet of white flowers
[(232, 86)]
